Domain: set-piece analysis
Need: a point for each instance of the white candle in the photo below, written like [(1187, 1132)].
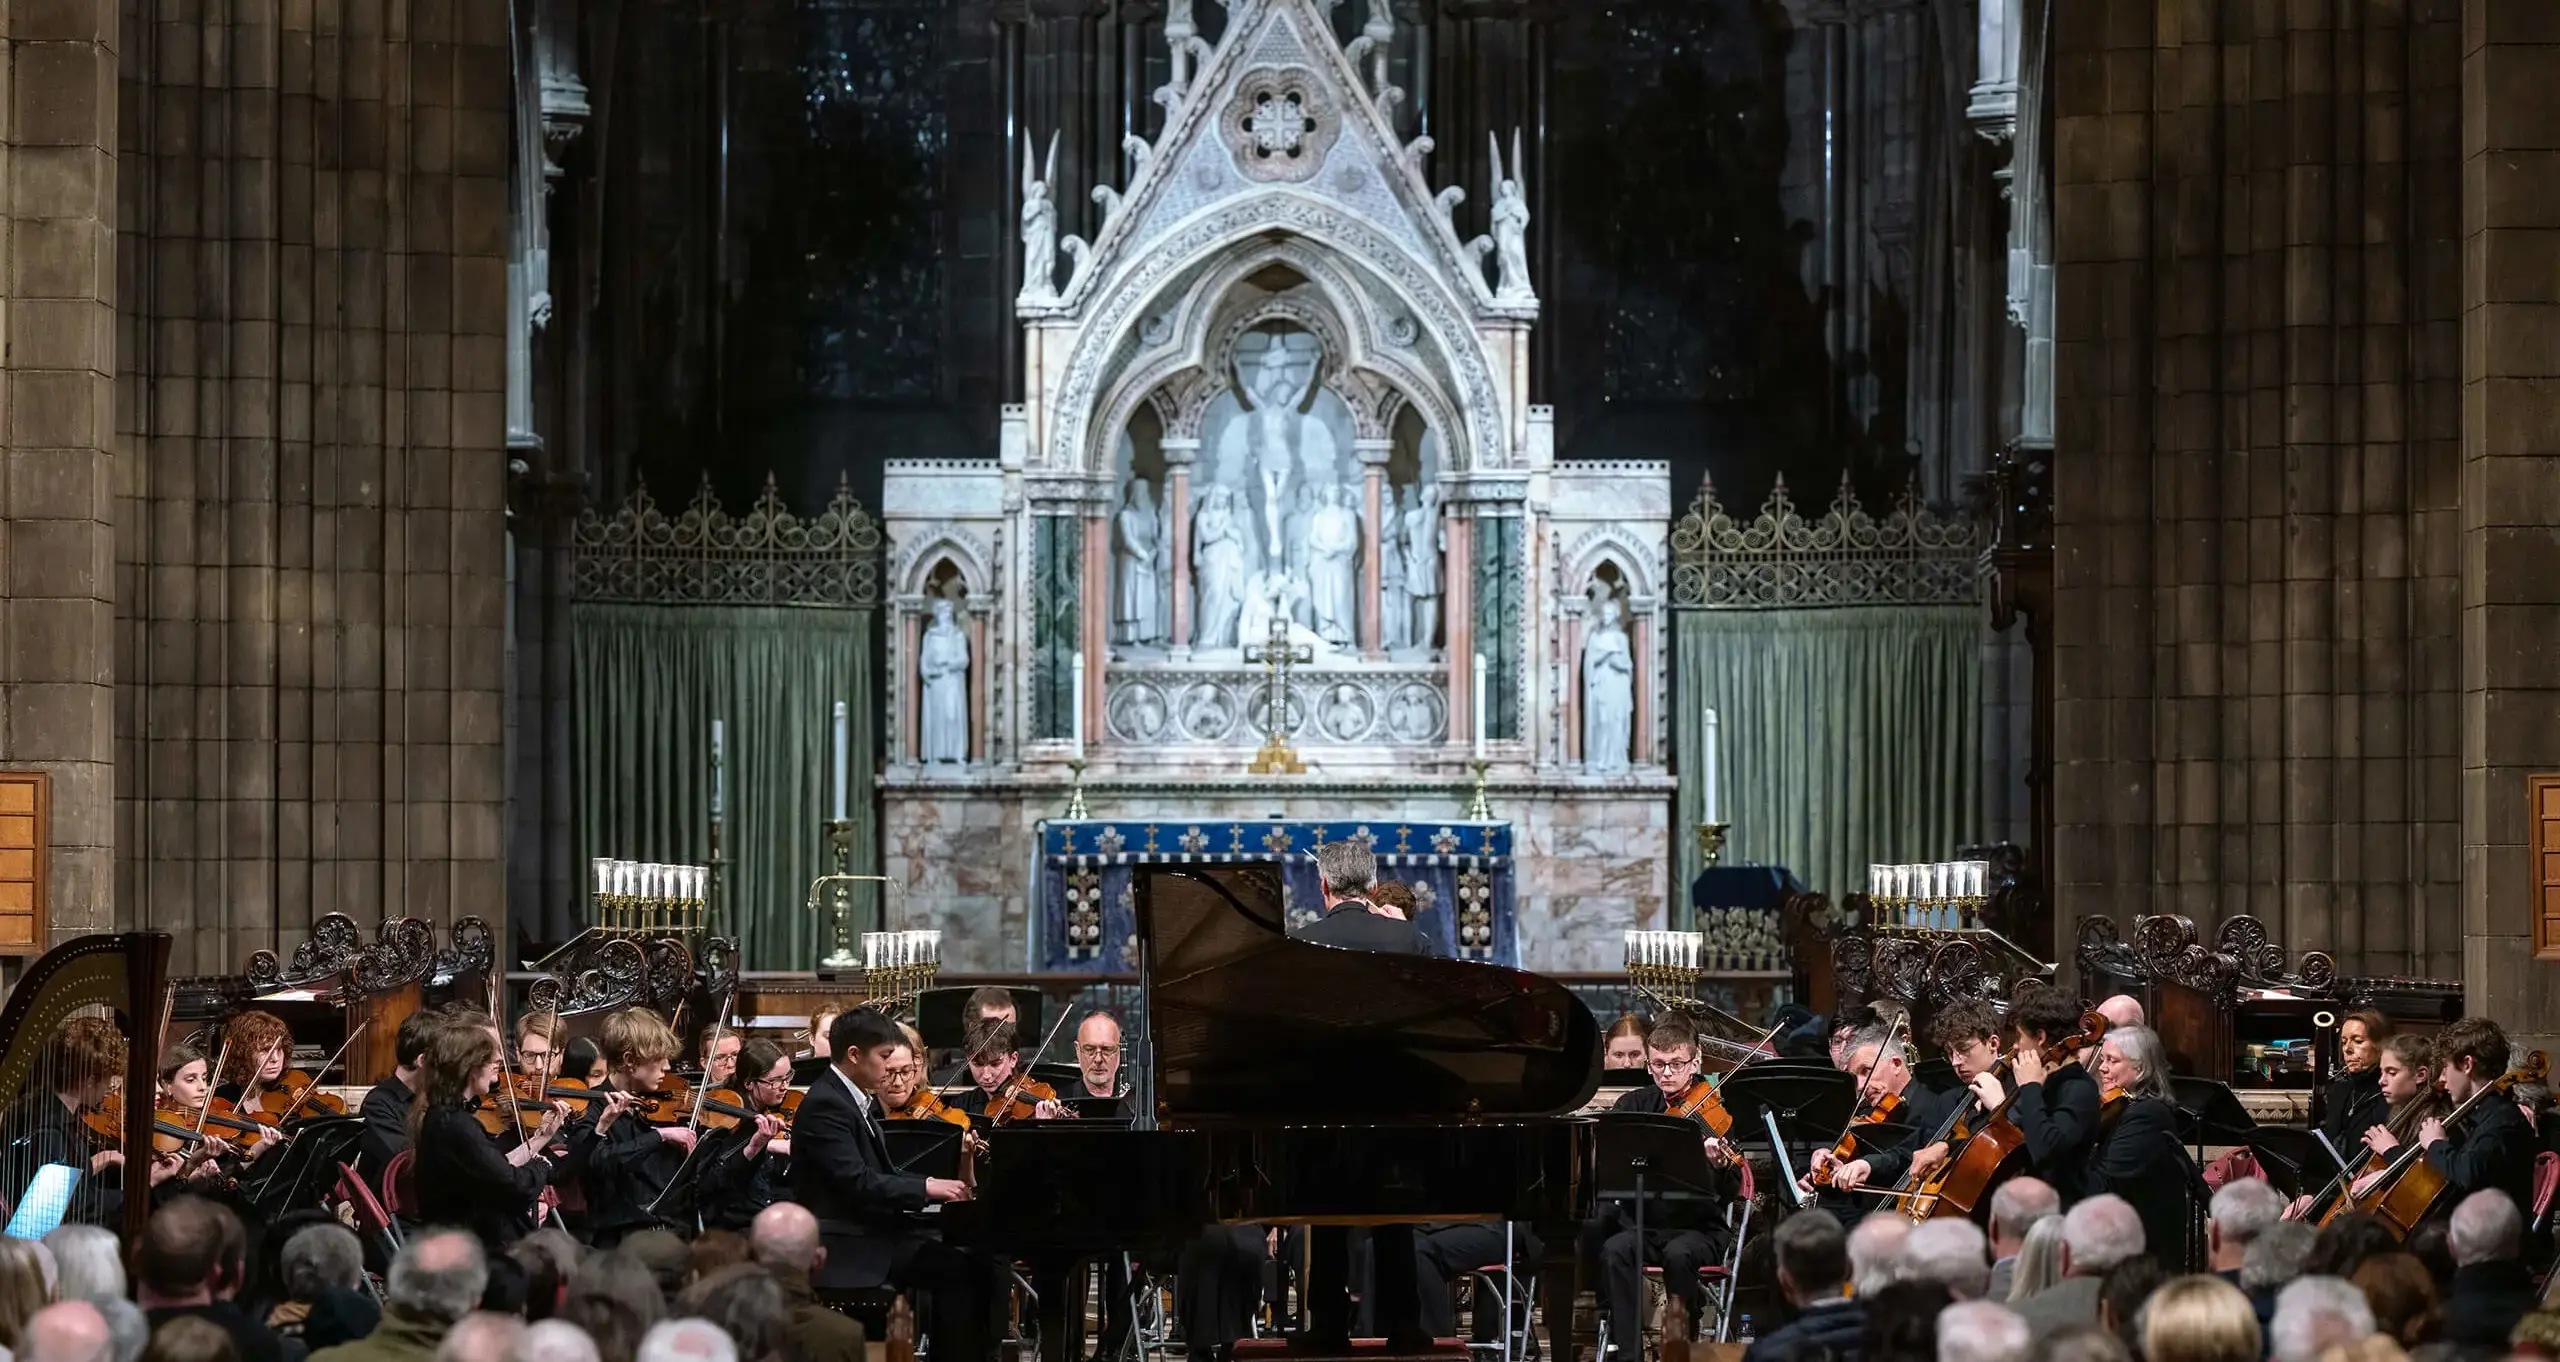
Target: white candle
[(1713, 795), (1075, 705), (1483, 705), (844, 757), (717, 783), (604, 874)]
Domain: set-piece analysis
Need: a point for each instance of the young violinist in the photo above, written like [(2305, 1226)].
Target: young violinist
[(995, 1068), (2492, 1145), (185, 1081), (2355, 1102), (723, 1063), (2136, 1154), (256, 1048), (386, 1107), (1679, 1236), (462, 1177), (629, 1161), (819, 1021), (2054, 1101), (748, 1167), (1622, 1050), (2405, 1080)]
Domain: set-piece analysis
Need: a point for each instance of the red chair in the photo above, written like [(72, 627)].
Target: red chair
[(372, 1220), (2546, 1181), (399, 1184), (1719, 1279)]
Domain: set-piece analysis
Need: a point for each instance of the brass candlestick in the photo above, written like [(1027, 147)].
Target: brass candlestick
[(1711, 841), (1480, 809), (1075, 789), (840, 845)]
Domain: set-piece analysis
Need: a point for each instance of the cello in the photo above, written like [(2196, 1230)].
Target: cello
[(2407, 1187), (1980, 1146)]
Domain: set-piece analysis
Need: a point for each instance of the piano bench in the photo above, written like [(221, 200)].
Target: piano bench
[(868, 1305)]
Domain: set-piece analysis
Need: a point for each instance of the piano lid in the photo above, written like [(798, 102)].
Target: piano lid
[(1246, 1023)]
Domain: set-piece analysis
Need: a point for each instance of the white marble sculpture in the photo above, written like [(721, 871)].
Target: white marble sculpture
[(1333, 578), (1510, 227), (1133, 547), (1279, 446), (1164, 569), (942, 667), (1272, 594), (1608, 692), (1395, 606), (1039, 229), (1423, 549), (1217, 568)]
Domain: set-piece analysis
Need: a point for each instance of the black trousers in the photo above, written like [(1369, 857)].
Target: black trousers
[(967, 1293), (1393, 1299), (1217, 1284), (1444, 1253)]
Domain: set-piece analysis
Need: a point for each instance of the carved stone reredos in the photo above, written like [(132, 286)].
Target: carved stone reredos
[(1276, 152)]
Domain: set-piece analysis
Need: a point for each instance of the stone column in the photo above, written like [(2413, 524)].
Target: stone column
[(1096, 633), (1373, 480), (1180, 453), (1457, 624), (909, 743), (1640, 651), (2510, 498), (981, 662)]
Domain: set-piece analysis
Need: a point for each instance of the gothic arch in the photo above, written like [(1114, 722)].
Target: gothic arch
[(917, 560), (1638, 564)]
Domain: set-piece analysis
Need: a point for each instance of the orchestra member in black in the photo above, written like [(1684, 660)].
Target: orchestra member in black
[(748, 1168), (2494, 1146), (986, 1007), (1967, 1032), (2136, 1154), (2355, 1102), (2405, 1076), (1679, 1236), (840, 1171), (994, 1056), (2053, 1101), (81, 1064), (723, 1062), (257, 1048), (629, 1162), (1445, 1253), (462, 1176), (1882, 1070), (1098, 1067), (539, 1036), (185, 1080), (385, 1108)]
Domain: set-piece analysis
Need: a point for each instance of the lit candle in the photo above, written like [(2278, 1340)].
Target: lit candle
[(844, 757), (604, 874), (717, 782), (1713, 800), (1483, 705), (1075, 705)]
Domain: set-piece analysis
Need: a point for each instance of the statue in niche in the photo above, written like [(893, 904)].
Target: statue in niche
[(942, 666), (1133, 542), (1281, 447), (1423, 547), (1608, 692), (1333, 542), (1277, 595), (1510, 227), (1395, 607), (1217, 568), (1039, 229)]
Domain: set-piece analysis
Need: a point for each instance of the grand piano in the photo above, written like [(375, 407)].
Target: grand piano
[(1288, 1082)]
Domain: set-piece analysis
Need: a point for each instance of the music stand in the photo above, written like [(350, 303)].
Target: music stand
[(939, 1012), (924, 1148), (1936, 1074), (2292, 1159), (308, 1167), (1810, 1102), (2209, 1113), (808, 1069), (1641, 1156), (1625, 1078)]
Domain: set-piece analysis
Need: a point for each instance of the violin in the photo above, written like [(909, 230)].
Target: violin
[(1701, 1104), (295, 1095), (1018, 1099), (529, 1105), (723, 1109), (926, 1105), (171, 1129), (670, 1105), (1881, 1110)]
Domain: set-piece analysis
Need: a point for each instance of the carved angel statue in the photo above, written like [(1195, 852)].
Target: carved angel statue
[(1039, 228), (1510, 226)]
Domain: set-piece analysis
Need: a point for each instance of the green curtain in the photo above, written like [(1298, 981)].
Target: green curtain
[(1851, 735), (650, 679)]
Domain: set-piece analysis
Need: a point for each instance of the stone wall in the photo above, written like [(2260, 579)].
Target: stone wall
[(2258, 531), (309, 523)]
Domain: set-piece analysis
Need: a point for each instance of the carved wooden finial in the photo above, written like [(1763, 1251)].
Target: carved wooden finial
[(902, 1330)]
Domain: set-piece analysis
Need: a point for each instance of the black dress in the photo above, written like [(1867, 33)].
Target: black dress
[(2059, 1118), (2139, 1158), (2351, 1106), (464, 1180)]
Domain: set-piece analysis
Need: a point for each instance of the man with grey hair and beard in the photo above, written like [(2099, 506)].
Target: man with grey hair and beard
[(2097, 1234), (435, 1281), (2492, 1288), (1345, 870)]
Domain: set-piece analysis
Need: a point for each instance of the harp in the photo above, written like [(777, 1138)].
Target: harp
[(121, 979)]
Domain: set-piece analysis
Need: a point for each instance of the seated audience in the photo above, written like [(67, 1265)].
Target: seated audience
[(22, 1288), (714, 1250), (1813, 1274), (1902, 1322), (784, 1239), (2492, 1287), (2241, 1211), (746, 1303), (553, 1340), (2097, 1234), (2039, 1263), (128, 1329), (687, 1340), (1875, 1251), (1979, 1331), (2082, 1343), (2403, 1298), (481, 1336), (2315, 1314), (615, 1299), (2342, 1245), (88, 1264), (435, 1280), (2274, 1259), (2200, 1319), (191, 1260), (191, 1338), (546, 1258), (70, 1330), (2121, 1294), (2015, 1208), (319, 1261), (1951, 1252)]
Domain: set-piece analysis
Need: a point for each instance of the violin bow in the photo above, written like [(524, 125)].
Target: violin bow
[(1860, 1097), (497, 1023), (955, 1085), (303, 1094), (728, 1001), (220, 1058)]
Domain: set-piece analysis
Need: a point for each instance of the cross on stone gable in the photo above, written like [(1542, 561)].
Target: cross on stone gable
[(1280, 655), (1278, 124)]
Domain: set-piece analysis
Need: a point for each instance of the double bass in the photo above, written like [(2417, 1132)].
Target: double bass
[(1981, 1145)]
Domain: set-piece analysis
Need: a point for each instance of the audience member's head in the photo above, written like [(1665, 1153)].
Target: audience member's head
[(746, 1303), (553, 1340), (322, 1258), (2431, 1243), (190, 1338), (22, 1289), (2486, 1228), (2275, 1257), (716, 1249), (2342, 1245), (2039, 1259), (2199, 1319), (2315, 1314), (189, 1253), (128, 1329), (481, 1336), (687, 1340), (2402, 1295), (88, 1263), (2242, 1210), (1813, 1257), (669, 1259), (2015, 1208), (615, 1298), (1979, 1331), (340, 1317), (784, 1238), (2082, 1343), (2099, 1233), (437, 1277), (1902, 1320), (1875, 1251), (1951, 1252), (547, 1257), (2121, 1295), (67, 1331)]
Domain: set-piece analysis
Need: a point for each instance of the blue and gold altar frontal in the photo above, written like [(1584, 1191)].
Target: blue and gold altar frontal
[(1460, 873)]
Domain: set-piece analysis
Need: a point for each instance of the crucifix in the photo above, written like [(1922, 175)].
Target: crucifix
[(1278, 654)]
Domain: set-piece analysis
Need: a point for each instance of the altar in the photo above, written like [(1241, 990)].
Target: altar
[(1275, 540)]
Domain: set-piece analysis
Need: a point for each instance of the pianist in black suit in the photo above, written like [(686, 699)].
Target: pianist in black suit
[(1346, 871), (867, 1208), (1679, 1236)]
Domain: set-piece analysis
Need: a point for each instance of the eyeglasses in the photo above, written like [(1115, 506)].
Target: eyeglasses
[(1096, 1051), (779, 1080), (1671, 1066)]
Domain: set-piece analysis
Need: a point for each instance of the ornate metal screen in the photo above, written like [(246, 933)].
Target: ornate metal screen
[(1780, 559), (706, 556)]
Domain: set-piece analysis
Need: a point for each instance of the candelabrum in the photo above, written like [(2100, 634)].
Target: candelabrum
[(1711, 842), (1480, 809), (1665, 965), (897, 966), (837, 887), (1075, 789), (1940, 896), (644, 898)]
